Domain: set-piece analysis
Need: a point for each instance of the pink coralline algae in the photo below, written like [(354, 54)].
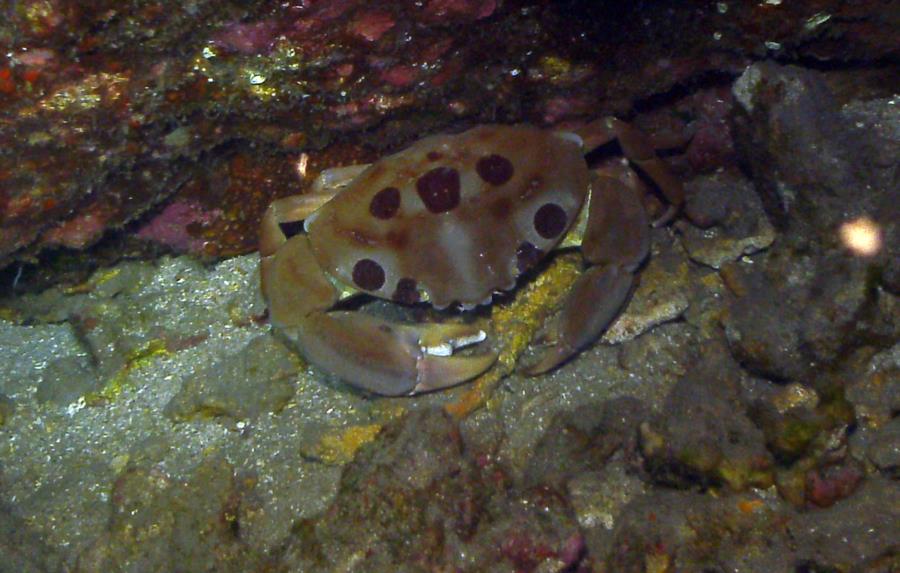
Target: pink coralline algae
[(37, 58), (827, 485), (80, 231), (248, 38), (170, 227), (321, 13), (85, 95), (399, 76), (473, 9), (370, 26), (711, 144)]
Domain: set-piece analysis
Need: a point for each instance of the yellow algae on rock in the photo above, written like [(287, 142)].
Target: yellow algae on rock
[(340, 447), (515, 323), (10, 315), (138, 358), (100, 277)]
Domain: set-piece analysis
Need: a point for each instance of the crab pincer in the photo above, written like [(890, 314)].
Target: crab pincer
[(387, 358)]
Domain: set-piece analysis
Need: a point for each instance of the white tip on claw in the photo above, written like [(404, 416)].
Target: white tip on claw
[(447, 348)]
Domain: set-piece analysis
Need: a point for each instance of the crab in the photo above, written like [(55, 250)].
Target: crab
[(452, 220)]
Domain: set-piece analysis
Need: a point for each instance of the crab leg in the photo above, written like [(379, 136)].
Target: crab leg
[(616, 233), (638, 149), (293, 283), (332, 180), (617, 239), (291, 279), (582, 318), (298, 207)]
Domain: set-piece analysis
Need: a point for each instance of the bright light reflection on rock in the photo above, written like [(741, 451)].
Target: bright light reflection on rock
[(862, 236)]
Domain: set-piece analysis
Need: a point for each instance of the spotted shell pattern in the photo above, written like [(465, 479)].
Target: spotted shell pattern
[(453, 217)]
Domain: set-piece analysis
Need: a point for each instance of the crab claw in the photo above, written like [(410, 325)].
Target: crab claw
[(439, 372), (591, 305), (388, 358)]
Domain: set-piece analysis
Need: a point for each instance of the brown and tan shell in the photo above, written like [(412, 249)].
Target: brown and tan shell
[(457, 217)]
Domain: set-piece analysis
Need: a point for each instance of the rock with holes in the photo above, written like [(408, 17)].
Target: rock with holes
[(452, 220)]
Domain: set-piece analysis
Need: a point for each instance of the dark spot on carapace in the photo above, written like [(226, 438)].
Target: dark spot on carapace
[(439, 189), (385, 203), (397, 238), (434, 155), (368, 275), (550, 220), (527, 255), (495, 169), (407, 292), (501, 208)]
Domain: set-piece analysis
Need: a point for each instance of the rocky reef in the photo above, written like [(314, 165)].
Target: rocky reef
[(740, 415)]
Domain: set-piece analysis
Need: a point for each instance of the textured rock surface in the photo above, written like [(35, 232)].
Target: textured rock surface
[(256, 379), (741, 415), (732, 221)]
